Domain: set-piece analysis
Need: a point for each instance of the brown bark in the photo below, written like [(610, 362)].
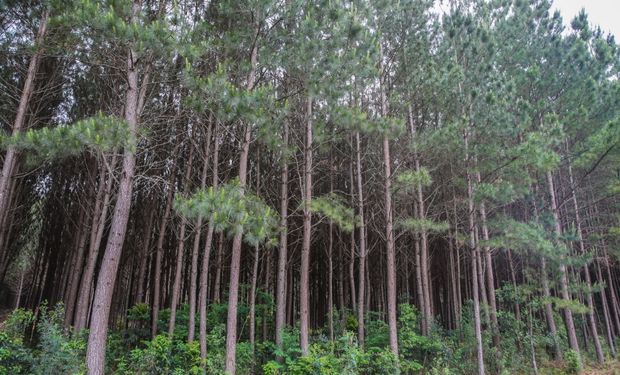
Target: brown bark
[(10, 156), (148, 231), (361, 291), (176, 288), (352, 250), (389, 233), (600, 357), (204, 270), (568, 315), (96, 236), (235, 260), (95, 353), (159, 251), (282, 256), (196, 245), (490, 277), (304, 283), (606, 314), (474, 263)]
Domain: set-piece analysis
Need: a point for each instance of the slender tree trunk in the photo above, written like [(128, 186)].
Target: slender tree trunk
[(74, 277), (10, 156), (159, 252), (176, 288), (235, 261), (568, 315), (608, 324), (148, 231), (282, 256), (217, 285), (95, 353), (204, 270), (252, 302), (196, 245), (389, 234), (352, 250), (490, 277), (304, 283), (600, 357), (361, 290), (96, 236), (254, 270), (474, 264), (557, 352), (427, 314)]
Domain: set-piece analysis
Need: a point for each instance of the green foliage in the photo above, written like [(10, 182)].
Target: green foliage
[(233, 211), (96, 134), (55, 351), (419, 225), (524, 237), (110, 19), (411, 179), (334, 208), (573, 362), (162, 355)]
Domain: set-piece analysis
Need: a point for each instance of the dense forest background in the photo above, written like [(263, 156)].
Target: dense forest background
[(307, 187)]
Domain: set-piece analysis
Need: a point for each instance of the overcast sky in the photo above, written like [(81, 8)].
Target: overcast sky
[(604, 13)]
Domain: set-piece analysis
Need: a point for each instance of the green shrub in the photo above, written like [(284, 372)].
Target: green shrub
[(573, 362)]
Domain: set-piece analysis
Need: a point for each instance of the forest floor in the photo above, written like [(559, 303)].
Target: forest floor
[(555, 368)]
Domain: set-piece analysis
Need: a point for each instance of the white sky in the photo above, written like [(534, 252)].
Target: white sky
[(604, 13)]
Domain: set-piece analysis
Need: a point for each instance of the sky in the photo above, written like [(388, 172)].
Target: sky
[(604, 13)]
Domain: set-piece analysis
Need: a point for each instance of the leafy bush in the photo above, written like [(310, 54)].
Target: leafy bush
[(573, 362), (55, 352), (163, 356)]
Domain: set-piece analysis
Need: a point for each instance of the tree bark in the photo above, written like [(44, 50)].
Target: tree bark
[(235, 261), (204, 273), (159, 252), (361, 288), (95, 353), (304, 283), (196, 245), (474, 263), (10, 156), (389, 232), (600, 357), (176, 288), (490, 277), (568, 315), (96, 236), (282, 256)]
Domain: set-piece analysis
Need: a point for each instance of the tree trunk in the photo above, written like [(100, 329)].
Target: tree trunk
[(252, 302), (176, 288), (235, 261), (148, 231), (196, 246), (10, 156), (95, 354), (204, 270), (159, 252), (304, 283), (389, 233), (474, 263), (600, 357), (352, 250), (568, 315), (361, 289), (282, 256), (490, 277), (96, 236), (608, 324)]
